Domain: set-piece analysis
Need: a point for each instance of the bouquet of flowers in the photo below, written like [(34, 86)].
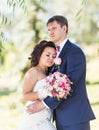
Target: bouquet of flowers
[(58, 85)]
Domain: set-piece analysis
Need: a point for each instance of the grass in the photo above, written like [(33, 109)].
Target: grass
[(10, 109), (93, 94)]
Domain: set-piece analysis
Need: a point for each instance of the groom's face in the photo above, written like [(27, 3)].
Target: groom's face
[(56, 32)]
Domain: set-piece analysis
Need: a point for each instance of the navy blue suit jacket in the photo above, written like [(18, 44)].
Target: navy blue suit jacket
[(76, 108)]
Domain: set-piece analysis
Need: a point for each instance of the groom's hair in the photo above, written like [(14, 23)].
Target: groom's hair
[(61, 20)]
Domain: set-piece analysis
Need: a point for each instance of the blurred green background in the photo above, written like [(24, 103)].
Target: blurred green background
[(22, 25)]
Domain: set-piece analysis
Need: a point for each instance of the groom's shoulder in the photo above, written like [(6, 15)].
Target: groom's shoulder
[(74, 45)]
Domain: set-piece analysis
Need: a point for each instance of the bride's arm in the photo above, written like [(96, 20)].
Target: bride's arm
[(29, 82)]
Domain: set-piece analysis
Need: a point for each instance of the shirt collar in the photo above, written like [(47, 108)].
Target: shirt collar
[(62, 44)]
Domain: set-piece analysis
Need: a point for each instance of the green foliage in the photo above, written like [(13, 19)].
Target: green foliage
[(15, 3), (4, 20), (83, 5), (1, 54), (1, 47)]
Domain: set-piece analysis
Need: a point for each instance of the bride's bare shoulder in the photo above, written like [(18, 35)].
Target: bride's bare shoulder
[(32, 72), (35, 74)]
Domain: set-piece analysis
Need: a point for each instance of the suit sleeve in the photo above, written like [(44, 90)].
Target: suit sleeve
[(76, 68)]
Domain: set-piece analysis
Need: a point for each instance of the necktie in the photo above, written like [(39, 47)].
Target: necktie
[(58, 48)]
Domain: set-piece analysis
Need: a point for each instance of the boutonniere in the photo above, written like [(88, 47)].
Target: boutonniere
[(57, 62)]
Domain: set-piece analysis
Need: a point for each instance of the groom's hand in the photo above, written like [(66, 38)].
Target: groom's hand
[(35, 107)]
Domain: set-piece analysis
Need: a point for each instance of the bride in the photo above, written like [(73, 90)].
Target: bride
[(41, 58)]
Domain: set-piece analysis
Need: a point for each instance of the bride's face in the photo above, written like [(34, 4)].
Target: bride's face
[(47, 57)]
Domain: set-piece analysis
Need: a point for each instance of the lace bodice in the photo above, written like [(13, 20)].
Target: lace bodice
[(40, 84), (43, 114)]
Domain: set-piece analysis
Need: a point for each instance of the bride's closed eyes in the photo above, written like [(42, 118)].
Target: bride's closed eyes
[(50, 55)]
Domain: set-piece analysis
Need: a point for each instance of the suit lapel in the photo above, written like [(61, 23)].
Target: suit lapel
[(64, 49), (67, 44)]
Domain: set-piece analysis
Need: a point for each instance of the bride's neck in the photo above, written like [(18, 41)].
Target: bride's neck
[(41, 68)]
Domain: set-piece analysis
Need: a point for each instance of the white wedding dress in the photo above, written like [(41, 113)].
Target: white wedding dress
[(40, 120)]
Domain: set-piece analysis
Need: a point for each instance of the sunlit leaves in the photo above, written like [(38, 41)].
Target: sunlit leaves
[(16, 3), (2, 37), (84, 2), (83, 5), (4, 20)]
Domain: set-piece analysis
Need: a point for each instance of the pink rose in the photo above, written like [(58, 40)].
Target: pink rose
[(57, 61)]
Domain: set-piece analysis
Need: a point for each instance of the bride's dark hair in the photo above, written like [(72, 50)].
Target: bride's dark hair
[(38, 50)]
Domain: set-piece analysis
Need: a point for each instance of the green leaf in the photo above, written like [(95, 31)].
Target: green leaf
[(78, 13), (21, 2), (4, 20), (84, 2), (2, 37)]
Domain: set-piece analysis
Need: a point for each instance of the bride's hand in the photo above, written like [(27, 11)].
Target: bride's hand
[(35, 107)]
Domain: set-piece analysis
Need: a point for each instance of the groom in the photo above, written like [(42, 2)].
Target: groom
[(73, 113)]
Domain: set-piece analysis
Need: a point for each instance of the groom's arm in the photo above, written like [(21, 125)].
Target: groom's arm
[(35, 107), (52, 103), (40, 105)]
